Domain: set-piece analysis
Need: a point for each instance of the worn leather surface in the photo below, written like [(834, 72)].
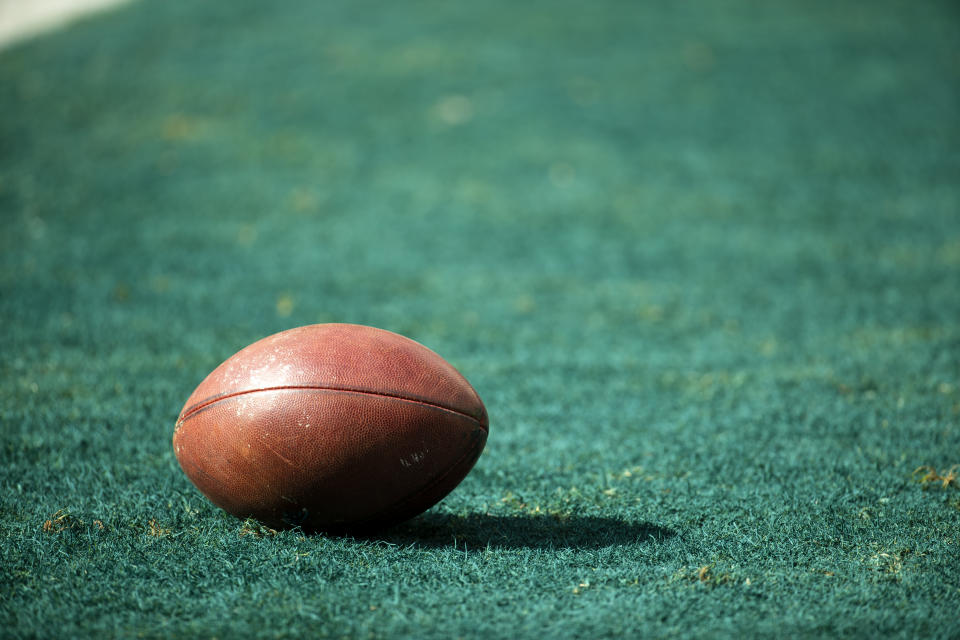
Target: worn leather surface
[(330, 427)]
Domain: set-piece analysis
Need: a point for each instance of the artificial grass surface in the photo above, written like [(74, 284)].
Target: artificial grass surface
[(701, 260)]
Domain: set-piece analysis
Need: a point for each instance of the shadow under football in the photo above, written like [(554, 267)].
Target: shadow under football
[(476, 531)]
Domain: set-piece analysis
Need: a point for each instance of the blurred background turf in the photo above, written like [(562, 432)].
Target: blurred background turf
[(701, 260)]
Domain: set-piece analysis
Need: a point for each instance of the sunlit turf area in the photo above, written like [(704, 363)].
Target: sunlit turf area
[(701, 261)]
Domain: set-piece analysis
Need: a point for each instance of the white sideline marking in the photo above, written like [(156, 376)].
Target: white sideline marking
[(22, 19)]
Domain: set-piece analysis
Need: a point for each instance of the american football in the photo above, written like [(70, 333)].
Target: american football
[(331, 427)]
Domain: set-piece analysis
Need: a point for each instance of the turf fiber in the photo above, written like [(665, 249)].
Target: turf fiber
[(701, 260)]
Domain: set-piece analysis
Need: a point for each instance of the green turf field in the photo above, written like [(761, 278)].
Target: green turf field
[(700, 259)]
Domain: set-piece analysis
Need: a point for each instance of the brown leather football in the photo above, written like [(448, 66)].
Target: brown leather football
[(331, 427)]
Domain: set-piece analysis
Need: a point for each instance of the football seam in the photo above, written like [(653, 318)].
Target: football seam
[(209, 402)]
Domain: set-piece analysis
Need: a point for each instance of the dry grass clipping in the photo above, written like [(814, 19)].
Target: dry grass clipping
[(930, 477)]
